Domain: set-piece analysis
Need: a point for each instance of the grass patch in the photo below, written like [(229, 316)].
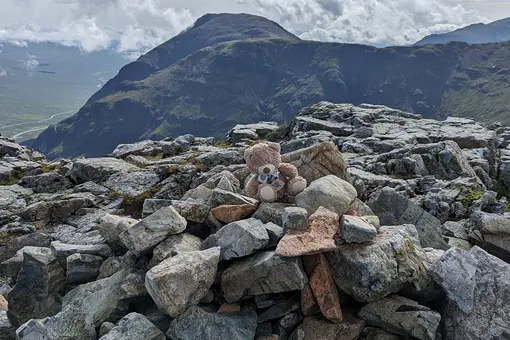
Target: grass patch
[(222, 144), (133, 205), (50, 167), (469, 196)]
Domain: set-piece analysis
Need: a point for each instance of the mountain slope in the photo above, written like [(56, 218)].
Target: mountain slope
[(496, 31), (212, 89)]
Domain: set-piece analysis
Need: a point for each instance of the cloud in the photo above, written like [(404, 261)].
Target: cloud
[(31, 63), (3, 73)]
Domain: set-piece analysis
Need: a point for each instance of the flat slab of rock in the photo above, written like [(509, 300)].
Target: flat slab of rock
[(395, 209), (262, 273), (478, 288), (98, 169), (82, 268), (63, 250), (223, 197), (318, 161), (239, 239), (173, 246), (314, 328), (393, 260), (491, 232), (323, 225), (151, 205), (330, 192), (356, 229), (111, 226), (191, 211), (183, 280), (232, 213), (402, 316), (196, 323), (134, 326), (153, 230)]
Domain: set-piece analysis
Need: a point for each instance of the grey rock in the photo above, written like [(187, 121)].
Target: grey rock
[(223, 197), (134, 326), (392, 261), (456, 229), (132, 183), (82, 268), (9, 147), (39, 286), (356, 230), (98, 169), (7, 331), (271, 212), (191, 211), (153, 229), (280, 309), (221, 157), (295, 218), (491, 232), (105, 328), (109, 267), (402, 316), (239, 239), (143, 148), (477, 285), (253, 132), (183, 280), (330, 192), (56, 211), (275, 233), (196, 323), (372, 333), (93, 188), (111, 226), (150, 206), (361, 208), (62, 250), (12, 246), (173, 246), (395, 209), (262, 273), (46, 183)]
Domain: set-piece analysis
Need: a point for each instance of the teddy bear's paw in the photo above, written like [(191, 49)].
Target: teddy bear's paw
[(267, 194), (296, 185)]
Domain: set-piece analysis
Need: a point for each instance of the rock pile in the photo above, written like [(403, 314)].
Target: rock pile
[(397, 236)]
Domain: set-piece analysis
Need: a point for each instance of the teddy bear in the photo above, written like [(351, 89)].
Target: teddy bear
[(270, 177)]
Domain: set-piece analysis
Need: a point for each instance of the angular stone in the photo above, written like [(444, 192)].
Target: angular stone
[(229, 308), (151, 205), (271, 212), (4, 305), (173, 246), (39, 286), (402, 316), (318, 161), (221, 157), (134, 326), (330, 192), (361, 208), (98, 169), (153, 230), (356, 230), (183, 280), (371, 333), (105, 328), (222, 197), (109, 267), (370, 271), (132, 184), (294, 218), (82, 268), (309, 304), (83, 309), (275, 233), (111, 226), (491, 232), (46, 183), (7, 331), (280, 309), (314, 328), (323, 286), (238, 239), (191, 211), (322, 228), (395, 209), (196, 323), (232, 213), (262, 273), (62, 250)]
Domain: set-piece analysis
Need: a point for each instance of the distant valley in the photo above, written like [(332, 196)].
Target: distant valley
[(42, 83)]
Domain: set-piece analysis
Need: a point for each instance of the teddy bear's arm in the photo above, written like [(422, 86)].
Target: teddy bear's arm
[(288, 170), (252, 187)]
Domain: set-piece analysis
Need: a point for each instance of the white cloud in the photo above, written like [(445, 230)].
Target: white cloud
[(3, 73), (138, 25), (31, 63)]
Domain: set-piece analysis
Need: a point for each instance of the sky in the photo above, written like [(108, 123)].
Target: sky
[(139, 25)]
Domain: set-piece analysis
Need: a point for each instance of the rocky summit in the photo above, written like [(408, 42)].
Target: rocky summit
[(402, 233)]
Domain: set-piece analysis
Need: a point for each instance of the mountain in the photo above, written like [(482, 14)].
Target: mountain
[(41, 83), (493, 32), (229, 69)]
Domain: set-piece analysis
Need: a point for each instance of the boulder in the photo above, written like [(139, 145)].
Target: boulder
[(62, 250), (372, 333), (134, 326), (173, 246), (191, 211), (82, 268), (232, 213), (356, 229), (320, 236), (294, 218), (330, 192), (111, 226), (262, 273), (221, 157), (183, 280), (251, 132), (98, 169), (395, 209), (46, 183), (223, 197), (314, 328), (318, 161), (39, 287), (7, 331), (280, 309), (271, 212), (402, 316), (239, 239), (491, 232), (132, 184), (151, 205), (196, 323), (153, 229), (275, 233), (372, 270), (143, 148), (478, 288)]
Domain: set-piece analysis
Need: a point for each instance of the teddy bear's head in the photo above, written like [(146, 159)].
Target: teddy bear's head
[(263, 158)]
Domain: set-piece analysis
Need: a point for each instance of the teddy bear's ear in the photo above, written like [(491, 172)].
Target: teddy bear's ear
[(275, 146), (247, 154)]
